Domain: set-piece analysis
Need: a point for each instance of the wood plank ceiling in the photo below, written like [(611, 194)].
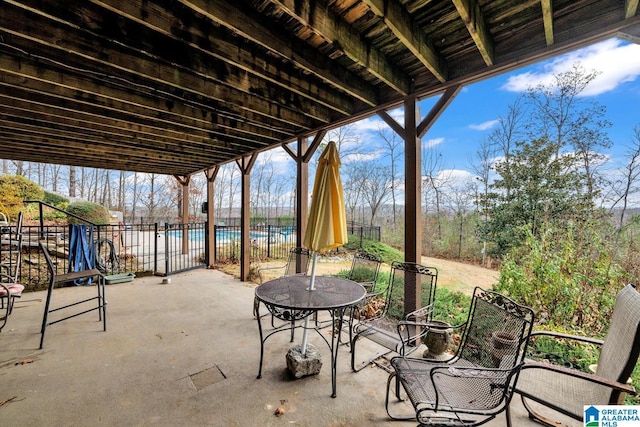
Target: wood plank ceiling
[(177, 86)]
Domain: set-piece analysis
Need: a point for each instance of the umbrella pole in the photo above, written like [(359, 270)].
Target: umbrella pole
[(303, 349), (312, 286)]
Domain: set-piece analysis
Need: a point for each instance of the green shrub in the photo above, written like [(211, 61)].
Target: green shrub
[(54, 199), (569, 353), (90, 212), (386, 253), (14, 190), (568, 283), (451, 306)]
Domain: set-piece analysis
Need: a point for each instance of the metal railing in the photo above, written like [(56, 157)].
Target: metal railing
[(153, 249), (178, 258), (361, 232)]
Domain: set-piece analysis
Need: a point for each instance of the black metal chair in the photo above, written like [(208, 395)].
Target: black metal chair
[(547, 389), (375, 325), (297, 264), (475, 384), (364, 270), (10, 288), (100, 303)]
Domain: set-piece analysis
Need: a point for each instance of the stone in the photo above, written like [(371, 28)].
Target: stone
[(302, 365)]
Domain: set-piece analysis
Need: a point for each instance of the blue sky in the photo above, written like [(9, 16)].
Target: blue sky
[(473, 113)]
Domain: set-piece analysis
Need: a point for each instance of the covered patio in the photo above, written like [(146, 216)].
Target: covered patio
[(184, 353), (182, 87)]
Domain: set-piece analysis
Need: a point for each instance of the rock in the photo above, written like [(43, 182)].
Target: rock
[(309, 364)]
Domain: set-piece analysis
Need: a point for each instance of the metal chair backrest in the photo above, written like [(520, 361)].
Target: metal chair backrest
[(497, 331), (364, 269), (11, 266), (403, 272), (298, 262), (621, 348)]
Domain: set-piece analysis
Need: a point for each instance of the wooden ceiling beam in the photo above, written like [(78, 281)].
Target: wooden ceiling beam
[(62, 41), (631, 34), (320, 27), (39, 78), (208, 43), (95, 130), (547, 19), (399, 21), (192, 119), (469, 11), (156, 34), (27, 103), (34, 148), (137, 147), (228, 15)]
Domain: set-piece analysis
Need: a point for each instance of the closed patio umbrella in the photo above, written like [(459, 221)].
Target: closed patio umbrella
[(327, 225)]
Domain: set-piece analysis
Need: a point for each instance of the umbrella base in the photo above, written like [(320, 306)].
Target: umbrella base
[(303, 365)]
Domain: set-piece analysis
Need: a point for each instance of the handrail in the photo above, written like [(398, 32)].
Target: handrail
[(41, 203)]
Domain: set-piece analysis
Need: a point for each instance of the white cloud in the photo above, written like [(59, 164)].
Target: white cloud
[(456, 178), (370, 124), (485, 125), (280, 159), (616, 61), (433, 142), (362, 157)]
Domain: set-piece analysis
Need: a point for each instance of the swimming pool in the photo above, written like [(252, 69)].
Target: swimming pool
[(221, 234)]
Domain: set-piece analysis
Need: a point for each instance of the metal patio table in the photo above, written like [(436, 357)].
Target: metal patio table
[(288, 298)]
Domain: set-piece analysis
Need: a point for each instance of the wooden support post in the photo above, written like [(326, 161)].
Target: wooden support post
[(184, 181), (245, 164), (211, 174)]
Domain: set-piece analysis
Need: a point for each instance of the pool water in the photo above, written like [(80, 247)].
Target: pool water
[(198, 235)]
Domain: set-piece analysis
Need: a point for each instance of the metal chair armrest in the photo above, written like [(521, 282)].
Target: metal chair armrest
[(626, 388), (260, 270), (567, 336)]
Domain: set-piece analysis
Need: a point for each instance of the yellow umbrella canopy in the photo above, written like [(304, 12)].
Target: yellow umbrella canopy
[(327, 225)]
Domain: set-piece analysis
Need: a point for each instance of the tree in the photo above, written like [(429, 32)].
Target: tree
[(72, 181), (503, 138), (376, 188), (461, 203), (560, 113), (434, 180), (393, 145), (346, 139), (628, 184), (483, 166), (353, 186), (544, 189), (552, 174)]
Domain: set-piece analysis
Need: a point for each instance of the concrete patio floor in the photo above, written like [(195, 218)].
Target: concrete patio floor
[(179, 354)]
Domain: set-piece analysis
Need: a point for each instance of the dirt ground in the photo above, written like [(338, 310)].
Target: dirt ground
[(451, 274)]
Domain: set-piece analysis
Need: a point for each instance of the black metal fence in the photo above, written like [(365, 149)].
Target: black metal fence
[(360, 232), (153, 249), (177, 255)]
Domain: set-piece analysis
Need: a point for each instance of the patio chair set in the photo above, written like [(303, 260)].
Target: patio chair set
[(492, 362)]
